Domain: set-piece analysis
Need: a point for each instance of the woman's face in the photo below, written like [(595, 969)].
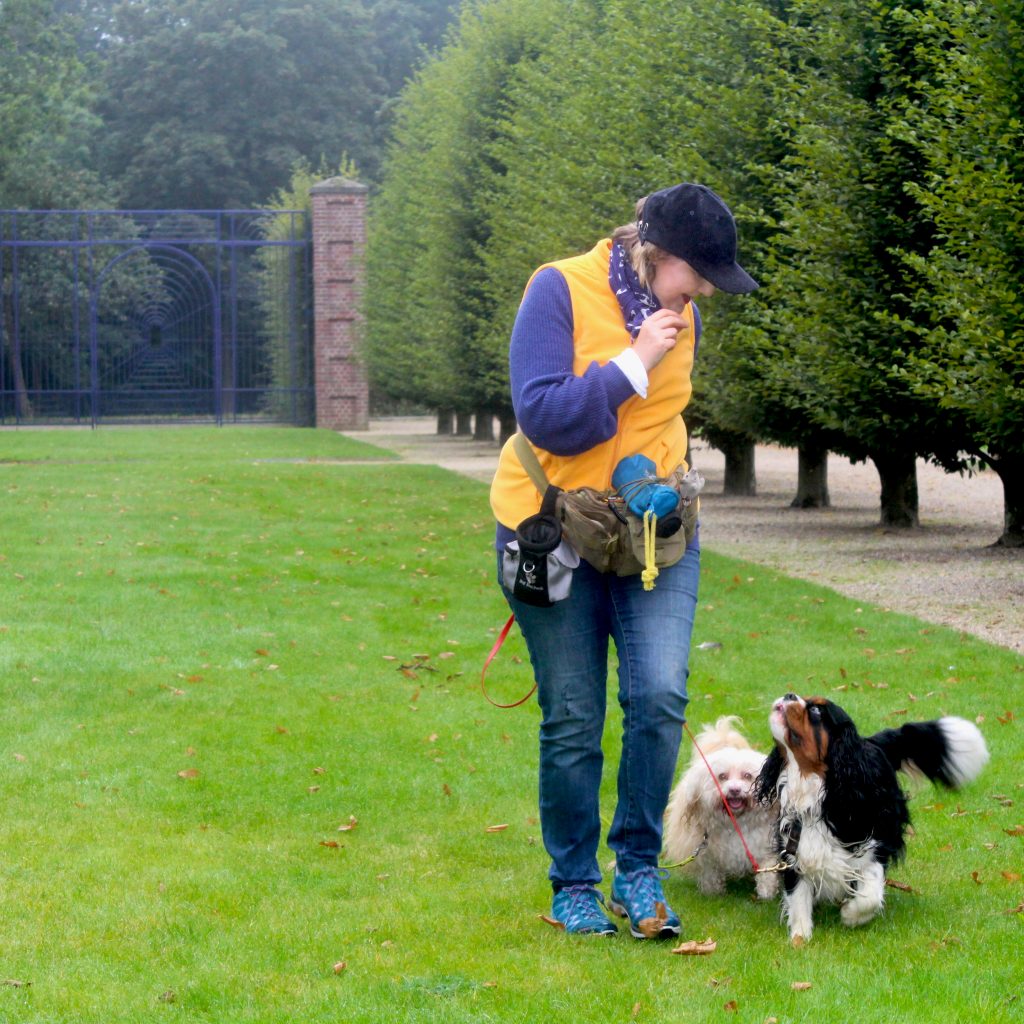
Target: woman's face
[(676, 282)]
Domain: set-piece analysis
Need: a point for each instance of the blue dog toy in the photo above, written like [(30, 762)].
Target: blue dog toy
[(636, 482)]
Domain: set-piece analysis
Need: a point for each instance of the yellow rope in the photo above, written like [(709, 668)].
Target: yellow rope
[(650, 573)]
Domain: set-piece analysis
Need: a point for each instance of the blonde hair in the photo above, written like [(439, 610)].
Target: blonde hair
[(644, 256)]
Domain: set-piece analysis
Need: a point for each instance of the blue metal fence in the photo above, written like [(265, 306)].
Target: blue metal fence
[(155, 316)]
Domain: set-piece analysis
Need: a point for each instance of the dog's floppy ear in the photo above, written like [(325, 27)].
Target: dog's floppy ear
[(691, 787), (767, 785), (862, 796)]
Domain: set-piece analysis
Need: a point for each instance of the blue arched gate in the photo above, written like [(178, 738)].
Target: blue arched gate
[(155, 316)]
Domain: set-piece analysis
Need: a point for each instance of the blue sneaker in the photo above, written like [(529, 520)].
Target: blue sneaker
[(578, 909), (638, 896)]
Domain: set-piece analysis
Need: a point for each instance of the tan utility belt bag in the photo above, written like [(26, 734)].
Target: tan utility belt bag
[(600, 526)]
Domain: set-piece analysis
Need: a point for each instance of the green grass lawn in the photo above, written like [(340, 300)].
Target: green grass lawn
[(219, 648)]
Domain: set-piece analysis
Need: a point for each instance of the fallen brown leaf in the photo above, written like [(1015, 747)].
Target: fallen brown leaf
[(14, 983), (902, 886), (189, 773), (551, 921), (731, 1007), (331, 843), (496, 828), (695, 948), (801, 986), (340, 966), (351, 824), (1019, 909), (1017, 830)]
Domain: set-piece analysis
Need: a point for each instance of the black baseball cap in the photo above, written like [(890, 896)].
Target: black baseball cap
[(691, 222)]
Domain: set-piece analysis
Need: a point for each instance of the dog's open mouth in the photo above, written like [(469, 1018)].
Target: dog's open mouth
[(736, 803)]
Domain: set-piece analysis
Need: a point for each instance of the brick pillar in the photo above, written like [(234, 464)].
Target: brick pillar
[(339, 242)]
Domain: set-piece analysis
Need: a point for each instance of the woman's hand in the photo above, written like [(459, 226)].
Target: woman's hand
[(657, 336)]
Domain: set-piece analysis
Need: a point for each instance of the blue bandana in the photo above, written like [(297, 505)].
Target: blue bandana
[(637, 302)]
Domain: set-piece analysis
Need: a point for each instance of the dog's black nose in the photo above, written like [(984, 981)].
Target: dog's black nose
[(791, 696)]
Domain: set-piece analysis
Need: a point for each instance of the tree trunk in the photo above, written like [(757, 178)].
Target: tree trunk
[(1011, 471), (445, 421), (812, 477), (484, 426), (463, 423), (22, 405), (740, 477), (898, 474), (507, 425)]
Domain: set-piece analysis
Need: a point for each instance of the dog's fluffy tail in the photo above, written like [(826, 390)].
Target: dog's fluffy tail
[(950, 751)]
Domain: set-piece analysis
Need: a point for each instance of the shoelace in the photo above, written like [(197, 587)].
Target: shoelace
[(577, 905), (647, 881)]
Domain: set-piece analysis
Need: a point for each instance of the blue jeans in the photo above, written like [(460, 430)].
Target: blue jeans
[(568, 645)]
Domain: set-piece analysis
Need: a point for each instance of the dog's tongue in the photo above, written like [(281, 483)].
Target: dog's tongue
[(736, 803)]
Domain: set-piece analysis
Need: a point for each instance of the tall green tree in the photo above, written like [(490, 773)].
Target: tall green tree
[(967, 299), (433, 217), (45, 103), (838, 281), (210, 105), (45, 126)]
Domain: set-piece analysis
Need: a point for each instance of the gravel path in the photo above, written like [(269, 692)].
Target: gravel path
[(945, 572)]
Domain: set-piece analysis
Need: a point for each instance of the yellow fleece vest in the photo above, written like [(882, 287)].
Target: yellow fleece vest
[(652, 426)]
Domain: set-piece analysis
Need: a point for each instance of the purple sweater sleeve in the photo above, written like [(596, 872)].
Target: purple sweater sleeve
[(558, 411)]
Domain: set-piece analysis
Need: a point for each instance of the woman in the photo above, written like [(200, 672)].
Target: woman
[(600, 358)]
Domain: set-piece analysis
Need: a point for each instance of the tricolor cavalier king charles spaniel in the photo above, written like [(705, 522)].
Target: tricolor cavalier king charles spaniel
[(842, 811)]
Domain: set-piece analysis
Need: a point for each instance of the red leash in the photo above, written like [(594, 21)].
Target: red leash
[(490, 658), (725, 803)]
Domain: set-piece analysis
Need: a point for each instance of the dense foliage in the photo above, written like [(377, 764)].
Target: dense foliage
[(871, 153), (197, 103)]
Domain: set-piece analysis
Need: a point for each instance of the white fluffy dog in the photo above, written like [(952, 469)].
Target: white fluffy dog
[(696, 818)]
